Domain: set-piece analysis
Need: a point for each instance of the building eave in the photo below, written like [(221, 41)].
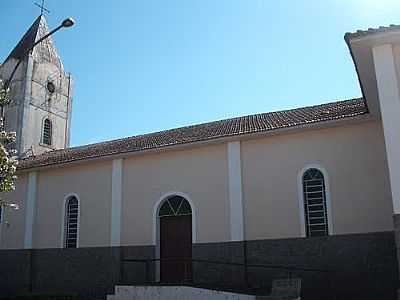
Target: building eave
[(357, 119)]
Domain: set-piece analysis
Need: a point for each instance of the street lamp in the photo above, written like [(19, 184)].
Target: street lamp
[(69, 22)]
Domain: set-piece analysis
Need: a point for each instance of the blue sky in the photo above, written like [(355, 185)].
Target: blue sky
[(144, 66)]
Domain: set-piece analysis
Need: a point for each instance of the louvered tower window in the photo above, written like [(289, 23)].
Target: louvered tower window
[(315, 203), (71, 223), (46, 136)]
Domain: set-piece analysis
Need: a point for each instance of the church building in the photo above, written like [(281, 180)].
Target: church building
[(313, 191)]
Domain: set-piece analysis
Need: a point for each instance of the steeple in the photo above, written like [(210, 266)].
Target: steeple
[(45, 51), (41, 93)]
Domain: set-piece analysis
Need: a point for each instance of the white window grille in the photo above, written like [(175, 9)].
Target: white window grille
[(47, 132), (71, 223), (314, 192), (175, 206)]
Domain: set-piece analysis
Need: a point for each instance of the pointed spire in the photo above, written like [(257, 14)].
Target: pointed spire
[(45, 51)]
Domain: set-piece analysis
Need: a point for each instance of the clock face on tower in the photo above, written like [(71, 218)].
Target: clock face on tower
[(51, 88), (51, 93)]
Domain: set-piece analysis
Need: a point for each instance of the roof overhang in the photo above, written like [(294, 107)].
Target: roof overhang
[(360, 45), (354, 120)]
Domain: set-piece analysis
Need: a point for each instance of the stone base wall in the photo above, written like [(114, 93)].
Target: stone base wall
[(84, 272), (396, 223), (361, 266)]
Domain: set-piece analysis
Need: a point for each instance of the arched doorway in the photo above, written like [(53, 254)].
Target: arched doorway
[(175, 219)]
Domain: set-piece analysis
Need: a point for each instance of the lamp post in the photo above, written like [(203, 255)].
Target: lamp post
[(69, 22)]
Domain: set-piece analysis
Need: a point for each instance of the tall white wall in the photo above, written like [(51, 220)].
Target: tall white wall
[(235, 191), (389, 99)]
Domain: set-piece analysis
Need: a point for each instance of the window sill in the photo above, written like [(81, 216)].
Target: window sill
[(47, 146)]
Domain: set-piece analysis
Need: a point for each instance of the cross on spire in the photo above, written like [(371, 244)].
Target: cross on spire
[(42, 7)]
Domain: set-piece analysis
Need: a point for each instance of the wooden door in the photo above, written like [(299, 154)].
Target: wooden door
[(176, 248)]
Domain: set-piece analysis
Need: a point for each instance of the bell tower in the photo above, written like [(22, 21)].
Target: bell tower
[(41, 94)]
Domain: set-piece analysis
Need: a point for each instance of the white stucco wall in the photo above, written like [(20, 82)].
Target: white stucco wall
[(13, 223), (200, 173), (92, 184), (354, 158), (387, 69), (352, 155)]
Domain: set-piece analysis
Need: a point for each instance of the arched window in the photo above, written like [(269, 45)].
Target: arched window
[(175, 206), (315, 206), (47, 132), (71, 222)]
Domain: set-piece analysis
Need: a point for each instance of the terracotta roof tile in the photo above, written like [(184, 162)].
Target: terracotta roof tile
[(203, 132), (370, 31)]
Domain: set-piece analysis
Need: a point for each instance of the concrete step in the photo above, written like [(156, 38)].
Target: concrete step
[(173, 293)]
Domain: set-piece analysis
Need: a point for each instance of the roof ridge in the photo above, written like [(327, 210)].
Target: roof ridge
[(203, 132), (312, 106), (199, 125)]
